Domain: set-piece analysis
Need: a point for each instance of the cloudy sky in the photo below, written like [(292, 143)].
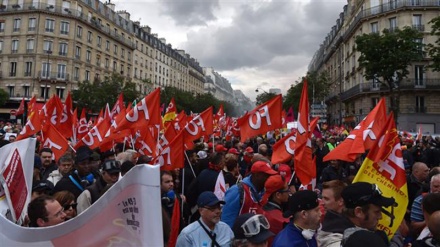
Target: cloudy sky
[(252, 43)]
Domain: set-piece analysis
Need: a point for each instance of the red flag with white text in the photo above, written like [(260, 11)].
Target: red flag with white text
[(54, 140), (199, 126)]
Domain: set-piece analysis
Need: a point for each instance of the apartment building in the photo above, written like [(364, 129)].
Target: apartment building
[(48, 46), (217, 85), (351, 96)]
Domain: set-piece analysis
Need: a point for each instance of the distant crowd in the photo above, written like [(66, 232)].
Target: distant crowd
[(230, 194)]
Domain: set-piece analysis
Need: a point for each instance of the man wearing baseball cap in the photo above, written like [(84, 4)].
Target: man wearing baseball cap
[(208, 230), (306, 215), (364, 203), (246, 196)]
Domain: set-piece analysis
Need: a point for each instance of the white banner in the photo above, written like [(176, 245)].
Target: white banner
[(128, 214), (16, 170)]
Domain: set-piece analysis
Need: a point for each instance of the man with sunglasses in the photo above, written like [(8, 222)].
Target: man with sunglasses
[(364, 202), (110, 171), (208, 231), (305, 220)]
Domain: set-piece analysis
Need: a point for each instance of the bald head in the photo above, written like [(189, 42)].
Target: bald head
[(434, 225), (420, 171)]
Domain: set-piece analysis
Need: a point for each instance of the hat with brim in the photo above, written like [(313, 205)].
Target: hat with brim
[(208, 198), (362, 193)]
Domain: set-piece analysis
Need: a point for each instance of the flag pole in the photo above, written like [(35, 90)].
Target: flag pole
[(190, 165)]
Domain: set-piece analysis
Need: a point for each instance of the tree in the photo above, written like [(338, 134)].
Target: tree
[(4, 96), (95, 95), (385, 58), (434, 49), (264, 97)]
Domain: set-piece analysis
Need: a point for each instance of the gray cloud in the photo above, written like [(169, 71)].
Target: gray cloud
[(190, 12), (269, 34)]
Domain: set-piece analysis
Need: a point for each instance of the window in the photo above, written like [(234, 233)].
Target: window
[(129, 56), (115, 49), (415, 2), (419, 75), (50, 25), (26, 91), (122, 52), (89, 36), (420, 104), (45, 70), (79, 32), (11, 90), (2, 26), (107, 45), (393, 23), (115, 65), (1, 46), (64, 28), (87, 75), (135, 72), (48, 46), (78, 52), (32, 24), (44, 92), (60, 93), (76, 74), (393, 4), (98, 60), (63, 49), (420, 46), (16, 25), (30, 44), (417, 22), (107, 63), (61, 71), (98, 41), (88, 56), (374, 27), (28, 69), (14, 46), (13, 69)]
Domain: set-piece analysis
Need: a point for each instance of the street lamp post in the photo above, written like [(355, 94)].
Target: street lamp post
[(47, 74), (259, 88)]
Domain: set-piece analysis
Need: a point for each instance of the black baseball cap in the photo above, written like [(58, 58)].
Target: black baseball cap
[(301, 200), (362, 193)]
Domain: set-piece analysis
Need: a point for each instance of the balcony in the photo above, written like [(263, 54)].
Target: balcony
[(53, 76), (64, 32), (29, 51), (420, 84), (419, 27), (49, 30), (16, 29), (76, 78), (27, 73), (31, 29), (12, 74), (14, 51), (62, 53)]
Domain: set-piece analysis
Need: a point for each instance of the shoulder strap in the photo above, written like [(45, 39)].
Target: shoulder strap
[(214, 242), (240, 192), (76, 183)]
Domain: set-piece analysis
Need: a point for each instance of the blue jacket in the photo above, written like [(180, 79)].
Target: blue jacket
[(291, 236), (232, 198)]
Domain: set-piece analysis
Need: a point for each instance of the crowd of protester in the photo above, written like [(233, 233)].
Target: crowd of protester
[(262, 204)]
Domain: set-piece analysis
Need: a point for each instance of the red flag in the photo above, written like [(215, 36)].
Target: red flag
[(262, 119), (175, 223), (95, 136), (199, 126), (146, 112), (171, 156), (362, 137), (303, 149), (54, 140), (220, 113), (290, 117), (20, 109), (31, 105), (119, 106), (82, 127), (146, 144), (66, 122), (284, 149), (283, 119), (170, 113), (32, 126)]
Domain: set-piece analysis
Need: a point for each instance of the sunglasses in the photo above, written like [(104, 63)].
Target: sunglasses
[(69, 206)]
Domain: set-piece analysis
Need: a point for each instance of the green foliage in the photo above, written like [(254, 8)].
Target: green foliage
[(95, 95), (264, 97), (434, 49), (4, 96), (385, 58)]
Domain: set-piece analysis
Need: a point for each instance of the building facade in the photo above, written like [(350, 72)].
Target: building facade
[(48, 46), (217, 85), (351, 96)]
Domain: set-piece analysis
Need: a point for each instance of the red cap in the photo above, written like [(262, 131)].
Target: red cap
[(273, 183), (233, 151), (285, 171), (220, 148), (262, 166), (210, 145), (249, 150)]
